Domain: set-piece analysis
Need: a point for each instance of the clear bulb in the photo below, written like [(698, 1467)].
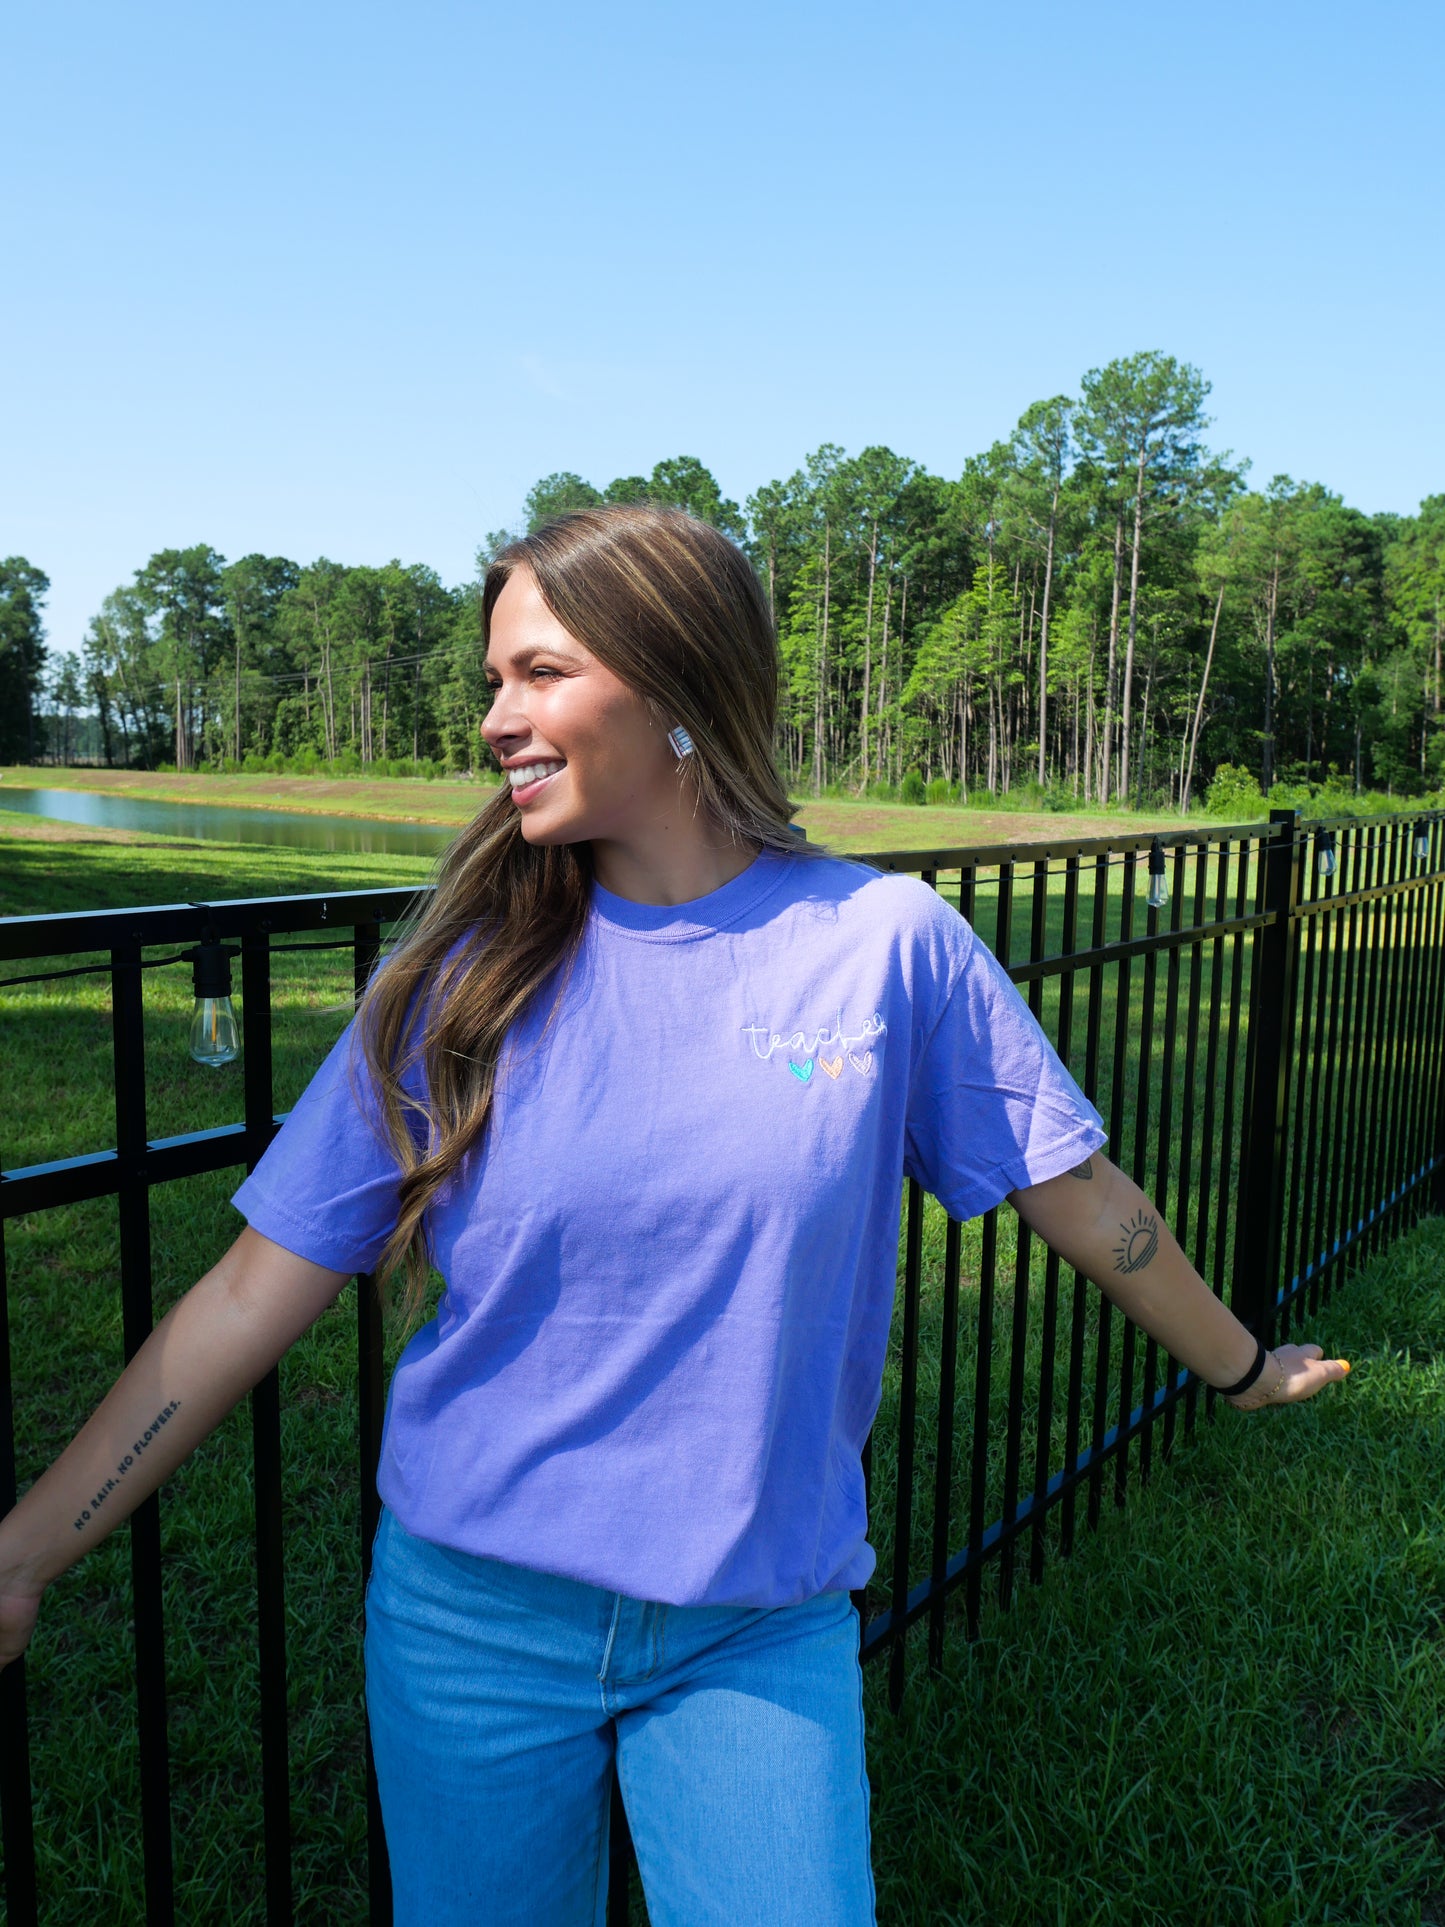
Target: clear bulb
[(1325, 859), (1158, 890), (1422, 844), (214, 1036)]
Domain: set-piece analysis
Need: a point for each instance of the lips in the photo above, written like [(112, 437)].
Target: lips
[(530, 779)]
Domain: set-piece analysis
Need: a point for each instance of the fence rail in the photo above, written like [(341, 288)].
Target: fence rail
[(1266, 1049)]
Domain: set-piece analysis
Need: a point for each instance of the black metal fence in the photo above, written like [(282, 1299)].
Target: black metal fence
[(1266, 1050)]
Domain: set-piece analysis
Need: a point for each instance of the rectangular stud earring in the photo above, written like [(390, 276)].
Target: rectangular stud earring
[(681, 742)]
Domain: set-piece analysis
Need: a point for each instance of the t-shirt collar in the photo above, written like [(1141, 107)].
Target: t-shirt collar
[(676, 922)]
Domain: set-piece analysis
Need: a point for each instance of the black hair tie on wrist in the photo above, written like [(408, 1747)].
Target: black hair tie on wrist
[(1233, 1391)]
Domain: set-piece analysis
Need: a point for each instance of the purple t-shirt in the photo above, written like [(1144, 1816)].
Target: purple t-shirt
[(670, 1268)]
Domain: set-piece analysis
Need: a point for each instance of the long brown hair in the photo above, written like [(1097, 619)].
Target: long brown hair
[(677, 612)]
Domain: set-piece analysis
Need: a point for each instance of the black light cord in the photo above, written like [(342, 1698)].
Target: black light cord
[(157, 963), (88, 970)]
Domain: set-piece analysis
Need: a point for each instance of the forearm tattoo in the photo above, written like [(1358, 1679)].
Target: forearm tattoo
[(1084, 1170), (1138, 1242), (127, 1462)]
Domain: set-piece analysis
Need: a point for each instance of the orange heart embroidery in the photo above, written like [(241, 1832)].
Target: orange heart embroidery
[(834, 1069)]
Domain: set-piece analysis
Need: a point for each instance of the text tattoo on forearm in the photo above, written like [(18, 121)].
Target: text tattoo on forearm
[(127, 1462)]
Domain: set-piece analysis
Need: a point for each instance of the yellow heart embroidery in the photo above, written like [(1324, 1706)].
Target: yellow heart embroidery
[(834, 1069)]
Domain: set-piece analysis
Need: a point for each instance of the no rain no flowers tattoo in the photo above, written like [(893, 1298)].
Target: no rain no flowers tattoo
[(126, 1461)]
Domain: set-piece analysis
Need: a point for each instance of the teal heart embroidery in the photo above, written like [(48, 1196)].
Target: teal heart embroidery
[(862, 1064), (801, 1071)]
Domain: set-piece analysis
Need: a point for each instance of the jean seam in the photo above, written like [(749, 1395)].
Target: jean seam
[(600, 1857), (622, 1793), (863, 1782), (371, 1574)]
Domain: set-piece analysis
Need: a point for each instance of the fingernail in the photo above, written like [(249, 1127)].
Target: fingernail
[(1343, 1363)]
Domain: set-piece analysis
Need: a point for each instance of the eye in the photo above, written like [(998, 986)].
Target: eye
[(541, 669)]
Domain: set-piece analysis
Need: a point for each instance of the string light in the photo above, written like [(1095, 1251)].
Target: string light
[(1158, 878), (215, 1038), (1325, 861)]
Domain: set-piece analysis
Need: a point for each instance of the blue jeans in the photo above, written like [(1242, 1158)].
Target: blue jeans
[(499, 1699)]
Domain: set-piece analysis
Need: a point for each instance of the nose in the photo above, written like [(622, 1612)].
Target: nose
[(502, 723)]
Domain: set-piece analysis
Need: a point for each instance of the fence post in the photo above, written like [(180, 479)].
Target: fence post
[(1258, 1235), (18, 1892), (1434, 926)]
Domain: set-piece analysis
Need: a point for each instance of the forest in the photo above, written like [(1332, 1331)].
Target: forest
[(1098, 608)]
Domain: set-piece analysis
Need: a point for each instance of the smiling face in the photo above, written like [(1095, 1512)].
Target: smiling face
[(585, 760)]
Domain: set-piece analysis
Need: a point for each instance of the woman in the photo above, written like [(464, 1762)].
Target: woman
[(643, 1084)]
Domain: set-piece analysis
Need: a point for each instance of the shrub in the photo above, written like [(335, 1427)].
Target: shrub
[(912, 789), (940, 790), (1234, 793), (1335, 800), (1291, 796)]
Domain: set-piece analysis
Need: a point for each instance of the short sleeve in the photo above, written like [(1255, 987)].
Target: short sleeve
[(327, 1186), (991, 1107)]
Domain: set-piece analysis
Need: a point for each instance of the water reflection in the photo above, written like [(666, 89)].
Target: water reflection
[(218, 822)]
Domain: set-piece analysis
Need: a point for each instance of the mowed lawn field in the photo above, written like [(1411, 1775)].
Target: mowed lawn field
[(842, 824), (1225, 1708)]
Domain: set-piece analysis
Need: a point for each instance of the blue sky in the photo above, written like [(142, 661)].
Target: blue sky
[(337, 279)]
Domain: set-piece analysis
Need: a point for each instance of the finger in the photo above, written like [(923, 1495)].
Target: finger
[(1317, 1374), (1311, 1351)]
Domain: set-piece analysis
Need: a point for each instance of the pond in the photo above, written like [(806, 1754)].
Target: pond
[(218, 822)]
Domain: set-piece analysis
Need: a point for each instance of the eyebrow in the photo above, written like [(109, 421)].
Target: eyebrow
[(524, 658)]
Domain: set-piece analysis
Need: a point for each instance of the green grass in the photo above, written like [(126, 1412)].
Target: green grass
[(845, 824), (71, 872), (1225, 1708), (403, 799), (66, 1336)]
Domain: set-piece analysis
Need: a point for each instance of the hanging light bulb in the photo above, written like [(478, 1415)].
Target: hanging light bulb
[(1325, 852), (1422, 841), (1158, 880), (214, 1037)]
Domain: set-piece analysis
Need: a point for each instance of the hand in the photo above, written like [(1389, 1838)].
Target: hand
[(1305, 1370), (19, 1610)]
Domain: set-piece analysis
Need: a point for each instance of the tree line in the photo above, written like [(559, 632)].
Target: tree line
[(1099, 608)]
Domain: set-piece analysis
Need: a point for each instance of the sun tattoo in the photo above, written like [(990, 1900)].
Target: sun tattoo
[(1139, 1240)]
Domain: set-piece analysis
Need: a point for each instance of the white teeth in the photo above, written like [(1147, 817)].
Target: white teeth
[(532, 773)]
